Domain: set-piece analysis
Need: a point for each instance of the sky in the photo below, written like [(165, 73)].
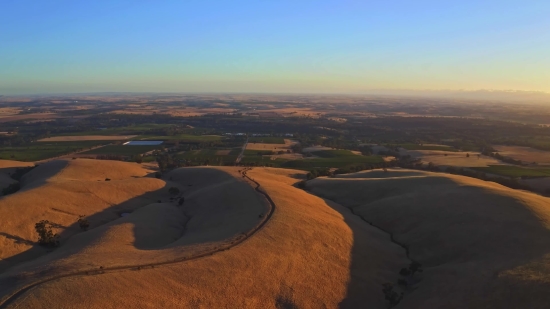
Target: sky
[(299, 46)]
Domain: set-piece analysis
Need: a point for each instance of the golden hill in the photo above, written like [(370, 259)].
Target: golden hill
[(482, 245), (308, 253)]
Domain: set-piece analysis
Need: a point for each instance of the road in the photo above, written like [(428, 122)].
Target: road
[(239, 158)]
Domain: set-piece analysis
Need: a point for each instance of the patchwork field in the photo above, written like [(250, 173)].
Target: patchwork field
[(515, 171), (183, 137), (123, 150), (270, 146), (452, 158), (45, 150), (477, 240), (86, 138), (525, 154)]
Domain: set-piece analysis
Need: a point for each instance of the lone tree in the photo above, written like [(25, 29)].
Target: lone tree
[(83, 223), (46, 237), (413, 268), (174, 191), (390, 295)]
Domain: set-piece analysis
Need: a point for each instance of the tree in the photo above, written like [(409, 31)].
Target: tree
[(390, 295), (181, 201), (46, 237), (174, 191)]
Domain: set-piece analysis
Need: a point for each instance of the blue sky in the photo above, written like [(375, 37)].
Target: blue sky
[(273, 46)]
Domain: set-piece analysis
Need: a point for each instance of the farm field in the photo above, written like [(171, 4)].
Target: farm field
[(140, 129), (514, 171), (270, 146), (427, 147), (266, 140), (72, 138), (45, 150), (214, 156), (334, 153), (183, 137), (335, 162), (525, 154), (451, 158), (121, 150)]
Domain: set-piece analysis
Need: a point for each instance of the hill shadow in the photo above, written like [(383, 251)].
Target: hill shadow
[(491, 252)]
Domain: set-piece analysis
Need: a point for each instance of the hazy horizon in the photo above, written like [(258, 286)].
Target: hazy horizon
[(324, 47)]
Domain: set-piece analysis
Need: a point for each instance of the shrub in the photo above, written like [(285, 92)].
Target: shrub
[(390, 295), (181, 201), (83, 223), (174, 191), (46, 237)]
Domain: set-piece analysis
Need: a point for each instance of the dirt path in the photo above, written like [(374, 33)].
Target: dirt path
[(4, 303)]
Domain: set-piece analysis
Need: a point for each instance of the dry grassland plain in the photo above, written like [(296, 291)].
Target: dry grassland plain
[(86, 138), (310, 253), (482, 245), (525, 154)]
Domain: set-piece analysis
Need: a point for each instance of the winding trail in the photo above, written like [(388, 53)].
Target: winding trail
[(351, 209), (4, 303)]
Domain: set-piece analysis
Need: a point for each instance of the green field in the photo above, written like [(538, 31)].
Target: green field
[(200, 156), (182, 137), (427, 147), (334, 153), (338, 162), (514, 171), (122, 150), (128, 130), (45, 150), (267, 140)]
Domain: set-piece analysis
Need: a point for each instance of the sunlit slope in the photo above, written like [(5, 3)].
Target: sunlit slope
[(483, 245), (308, 255), (60, 191)]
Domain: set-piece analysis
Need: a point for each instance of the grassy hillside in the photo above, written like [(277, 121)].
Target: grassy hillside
[(477, 240), (310, 254)]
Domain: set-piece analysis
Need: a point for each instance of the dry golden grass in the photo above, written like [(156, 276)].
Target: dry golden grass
[(526, 154), (33, 116), (61, 190), (450, 158), (273, 147), (482, 245), (87, 138), (310, 254)]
